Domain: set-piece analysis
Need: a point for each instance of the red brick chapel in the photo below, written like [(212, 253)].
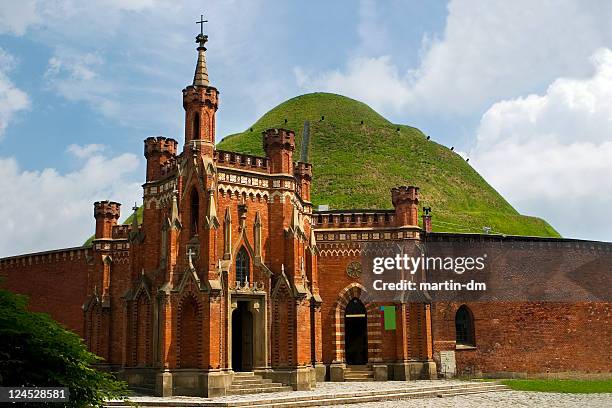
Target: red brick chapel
[(232, 272)]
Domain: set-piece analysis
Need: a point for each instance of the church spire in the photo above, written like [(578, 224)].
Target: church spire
[(200, 78)]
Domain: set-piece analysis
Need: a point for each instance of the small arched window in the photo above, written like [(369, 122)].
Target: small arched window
[(196, 126), (195, 211), (242, 266), (464, 327)]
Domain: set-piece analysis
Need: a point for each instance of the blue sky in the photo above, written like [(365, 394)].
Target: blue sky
[(523, 89)]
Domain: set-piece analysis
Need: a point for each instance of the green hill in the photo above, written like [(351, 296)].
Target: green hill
[(355, 165)]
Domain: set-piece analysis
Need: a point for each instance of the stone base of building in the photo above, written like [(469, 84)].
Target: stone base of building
[(209, 383), (193, 382), (381, 372), (320, 372), (300, 379), (413, 370), (336, 372), (188, 382)]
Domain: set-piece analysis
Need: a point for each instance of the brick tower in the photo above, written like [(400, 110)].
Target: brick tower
[(200, 101)]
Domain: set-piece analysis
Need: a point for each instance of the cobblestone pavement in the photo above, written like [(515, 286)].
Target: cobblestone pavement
[(340, 387), (321, 389), (514, 399)]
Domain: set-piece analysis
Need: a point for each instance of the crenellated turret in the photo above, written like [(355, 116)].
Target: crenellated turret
[(406, 202), (279, 145), (158, 151), (106, 214), (303, 174), (200, 101)]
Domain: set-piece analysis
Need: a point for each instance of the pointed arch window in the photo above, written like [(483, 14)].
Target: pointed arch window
[(464, 327), (196, 126), (242, 266), (195, 211)]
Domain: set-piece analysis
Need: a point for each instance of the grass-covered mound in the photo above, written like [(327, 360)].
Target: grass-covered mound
[(358, 156)]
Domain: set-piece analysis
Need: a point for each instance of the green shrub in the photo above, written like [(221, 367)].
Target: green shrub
[(36, 351)]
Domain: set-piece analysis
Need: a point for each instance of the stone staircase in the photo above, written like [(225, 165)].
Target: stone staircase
[(249, 383), (318, 398), (358, 373)]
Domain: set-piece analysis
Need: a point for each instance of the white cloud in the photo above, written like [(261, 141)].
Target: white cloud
[(114, 54), (17, 16), (74, 76), (85, 151), (488, 51), (376, 81), (12, 99), (46, 209), (551, 154)]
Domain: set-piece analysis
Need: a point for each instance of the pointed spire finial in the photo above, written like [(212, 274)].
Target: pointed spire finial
[(200, 78), (135, 218)]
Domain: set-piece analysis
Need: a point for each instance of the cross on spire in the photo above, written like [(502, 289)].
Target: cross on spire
[(201, 23), (201, 38), (200, 77)]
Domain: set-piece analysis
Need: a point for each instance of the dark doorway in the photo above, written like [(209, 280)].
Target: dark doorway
[(242, 338), (356, 333)]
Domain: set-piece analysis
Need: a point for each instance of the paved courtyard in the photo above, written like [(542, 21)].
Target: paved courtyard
[(514, 399)]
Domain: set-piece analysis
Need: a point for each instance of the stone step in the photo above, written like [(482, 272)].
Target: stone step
[(254, 386), (358, 379), (244, 374), (358, 368), (359, 374), (356, 376), (335, 400), (274, 388), (250, 381)]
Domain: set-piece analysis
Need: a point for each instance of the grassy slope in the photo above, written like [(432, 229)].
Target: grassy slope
[(355, 165), (569, 386)]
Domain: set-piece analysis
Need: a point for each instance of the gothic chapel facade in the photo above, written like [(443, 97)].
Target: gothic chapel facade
[(231, 273), (221, 277)]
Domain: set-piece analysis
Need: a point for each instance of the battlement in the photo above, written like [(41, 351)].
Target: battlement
[(353, 219), (404, 194), (278, 139), (58, 255), (159, 145), (120, 231), (107, 209), (241, 161), (169, 167), (203, 95), (302, 170)]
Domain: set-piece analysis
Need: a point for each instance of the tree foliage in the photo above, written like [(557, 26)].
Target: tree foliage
[(36, 351)]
